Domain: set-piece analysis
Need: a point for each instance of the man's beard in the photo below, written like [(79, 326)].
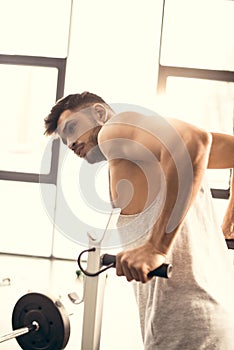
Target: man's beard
[(95, 155)]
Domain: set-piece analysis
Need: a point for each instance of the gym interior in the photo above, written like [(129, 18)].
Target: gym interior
[(174, 57)]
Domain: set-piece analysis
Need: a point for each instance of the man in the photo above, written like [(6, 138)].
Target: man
[(157, 177)]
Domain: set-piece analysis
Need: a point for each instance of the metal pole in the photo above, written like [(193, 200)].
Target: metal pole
[(94, 289), (20, 331)]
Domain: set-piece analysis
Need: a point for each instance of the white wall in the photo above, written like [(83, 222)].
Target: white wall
[(114, 48)]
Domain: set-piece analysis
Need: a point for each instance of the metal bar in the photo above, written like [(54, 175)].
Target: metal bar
[(169, 71), (93, 303), (61, 79), (16, 333), (210, 74), (161, 32), (94, 289), (220, 194), (32, 61)]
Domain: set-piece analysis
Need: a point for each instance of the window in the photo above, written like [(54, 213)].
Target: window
[(196, 72), (35, 28), (198, 34), (27, 93)]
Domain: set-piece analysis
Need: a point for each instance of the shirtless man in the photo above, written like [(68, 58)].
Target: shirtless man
[(148, 158)]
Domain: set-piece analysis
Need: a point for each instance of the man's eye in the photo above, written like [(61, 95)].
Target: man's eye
[(71, 128)]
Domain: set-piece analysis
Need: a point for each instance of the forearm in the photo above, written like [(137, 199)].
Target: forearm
[(182, 185), (231, 198), (228, 220), (221, 157)]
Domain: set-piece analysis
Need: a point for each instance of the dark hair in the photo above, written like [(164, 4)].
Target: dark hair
[(71, 102)]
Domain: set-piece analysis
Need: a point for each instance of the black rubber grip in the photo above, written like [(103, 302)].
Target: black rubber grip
[(230, 243), (165, 270)]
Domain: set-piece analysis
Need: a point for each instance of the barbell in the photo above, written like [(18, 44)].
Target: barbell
[(39, 322)]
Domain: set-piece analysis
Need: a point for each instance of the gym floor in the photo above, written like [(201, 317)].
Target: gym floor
[(120, 324)]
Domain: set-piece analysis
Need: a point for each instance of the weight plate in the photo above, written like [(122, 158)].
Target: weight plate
[(50, 314)]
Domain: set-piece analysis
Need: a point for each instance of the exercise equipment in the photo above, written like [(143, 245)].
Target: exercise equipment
[(164, 271), (33, 327), (39, 322), (108, 260), (230, 243)]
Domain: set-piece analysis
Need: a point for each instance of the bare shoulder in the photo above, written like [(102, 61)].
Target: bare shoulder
[(117, 126), (185, 128), (130, 124), (131, 132)]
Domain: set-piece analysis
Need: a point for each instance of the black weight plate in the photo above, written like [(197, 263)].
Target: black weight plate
[(49, 313)]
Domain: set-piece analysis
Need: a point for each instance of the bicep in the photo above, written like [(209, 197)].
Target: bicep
[(222, 151)]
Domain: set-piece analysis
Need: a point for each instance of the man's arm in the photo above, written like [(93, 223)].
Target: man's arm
[(184, 169), (228, 220), (221, 152), (221, 157), (183, 152)]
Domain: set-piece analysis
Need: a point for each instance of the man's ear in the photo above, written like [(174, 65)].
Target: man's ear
[(101, 112)]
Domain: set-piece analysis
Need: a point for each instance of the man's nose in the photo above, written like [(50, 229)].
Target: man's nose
[(71, 144)]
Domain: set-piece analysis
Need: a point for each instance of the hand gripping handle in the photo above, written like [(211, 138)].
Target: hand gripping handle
[(165, 270)]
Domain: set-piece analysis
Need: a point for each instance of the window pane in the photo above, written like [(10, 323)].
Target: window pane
[(198, 34), (25, 226), (35, 28), (27, 94), (205, 103), (126, 70)]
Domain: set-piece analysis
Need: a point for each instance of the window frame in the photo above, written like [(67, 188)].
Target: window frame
[(36, 61)]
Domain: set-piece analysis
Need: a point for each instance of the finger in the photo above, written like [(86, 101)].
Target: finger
[(139, 274), (143, 276), (119, 269), (134, 274), (127, 271)]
